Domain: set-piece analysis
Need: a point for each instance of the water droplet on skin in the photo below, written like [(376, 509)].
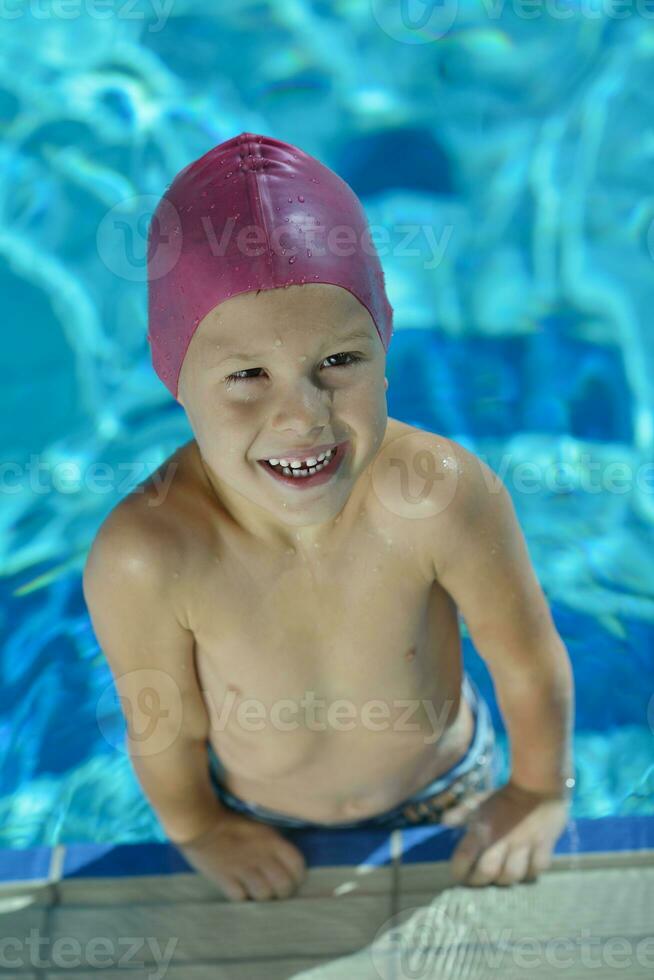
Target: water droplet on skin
[(290, 200), (278, 343), (300, 198), (309, 252), (291, 260), (303, 358), (229, 174), (290, 551), (410, 654)]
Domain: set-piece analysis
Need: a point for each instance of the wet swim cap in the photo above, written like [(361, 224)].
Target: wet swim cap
[(253, 213)]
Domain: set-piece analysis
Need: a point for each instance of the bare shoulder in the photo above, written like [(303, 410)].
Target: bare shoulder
[(448, 477), (447, 491), (143, 539), (131, 586)]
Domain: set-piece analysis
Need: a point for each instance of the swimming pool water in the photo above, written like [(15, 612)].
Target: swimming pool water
[(520, 157)]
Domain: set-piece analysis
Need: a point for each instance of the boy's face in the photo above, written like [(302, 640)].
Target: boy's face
[(291, 393)]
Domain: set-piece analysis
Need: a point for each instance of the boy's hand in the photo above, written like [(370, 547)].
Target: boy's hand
[(510, 838), (246, 859)]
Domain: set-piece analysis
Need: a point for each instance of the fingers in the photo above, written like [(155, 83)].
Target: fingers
[(500, 864), (276, 877), (292, 859), (516, 865), (465, 856), (488, 865), (540, 860), (232, 889)]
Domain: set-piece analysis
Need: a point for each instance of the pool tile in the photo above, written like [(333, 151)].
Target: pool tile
[(343, 847), (558, 915), (15, 895), (24, 864), (142, 889), (243, 930), (18, 930), (347, 880), (261, 969), (121, 860)]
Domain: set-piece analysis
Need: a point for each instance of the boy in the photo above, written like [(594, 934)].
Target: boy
[(311, 553)]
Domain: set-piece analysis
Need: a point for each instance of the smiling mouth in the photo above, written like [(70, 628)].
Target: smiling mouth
[(306, 476)]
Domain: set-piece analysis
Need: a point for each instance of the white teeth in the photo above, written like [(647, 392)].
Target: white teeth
[(298, 468), (297, 464)]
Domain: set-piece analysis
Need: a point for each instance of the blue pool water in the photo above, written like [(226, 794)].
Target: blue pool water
[(524, 146)]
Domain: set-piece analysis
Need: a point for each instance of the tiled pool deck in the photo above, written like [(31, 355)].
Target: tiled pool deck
[(375, 905)]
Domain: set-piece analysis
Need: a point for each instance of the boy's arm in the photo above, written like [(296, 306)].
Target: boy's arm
[(483, 563), (126, 586)]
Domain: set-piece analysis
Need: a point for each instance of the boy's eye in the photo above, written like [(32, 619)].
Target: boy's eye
[(242, 375)]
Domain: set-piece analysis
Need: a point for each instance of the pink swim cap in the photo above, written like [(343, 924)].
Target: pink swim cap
[(200, 251)]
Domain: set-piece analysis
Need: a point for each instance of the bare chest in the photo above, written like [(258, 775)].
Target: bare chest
[(367, 624)]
